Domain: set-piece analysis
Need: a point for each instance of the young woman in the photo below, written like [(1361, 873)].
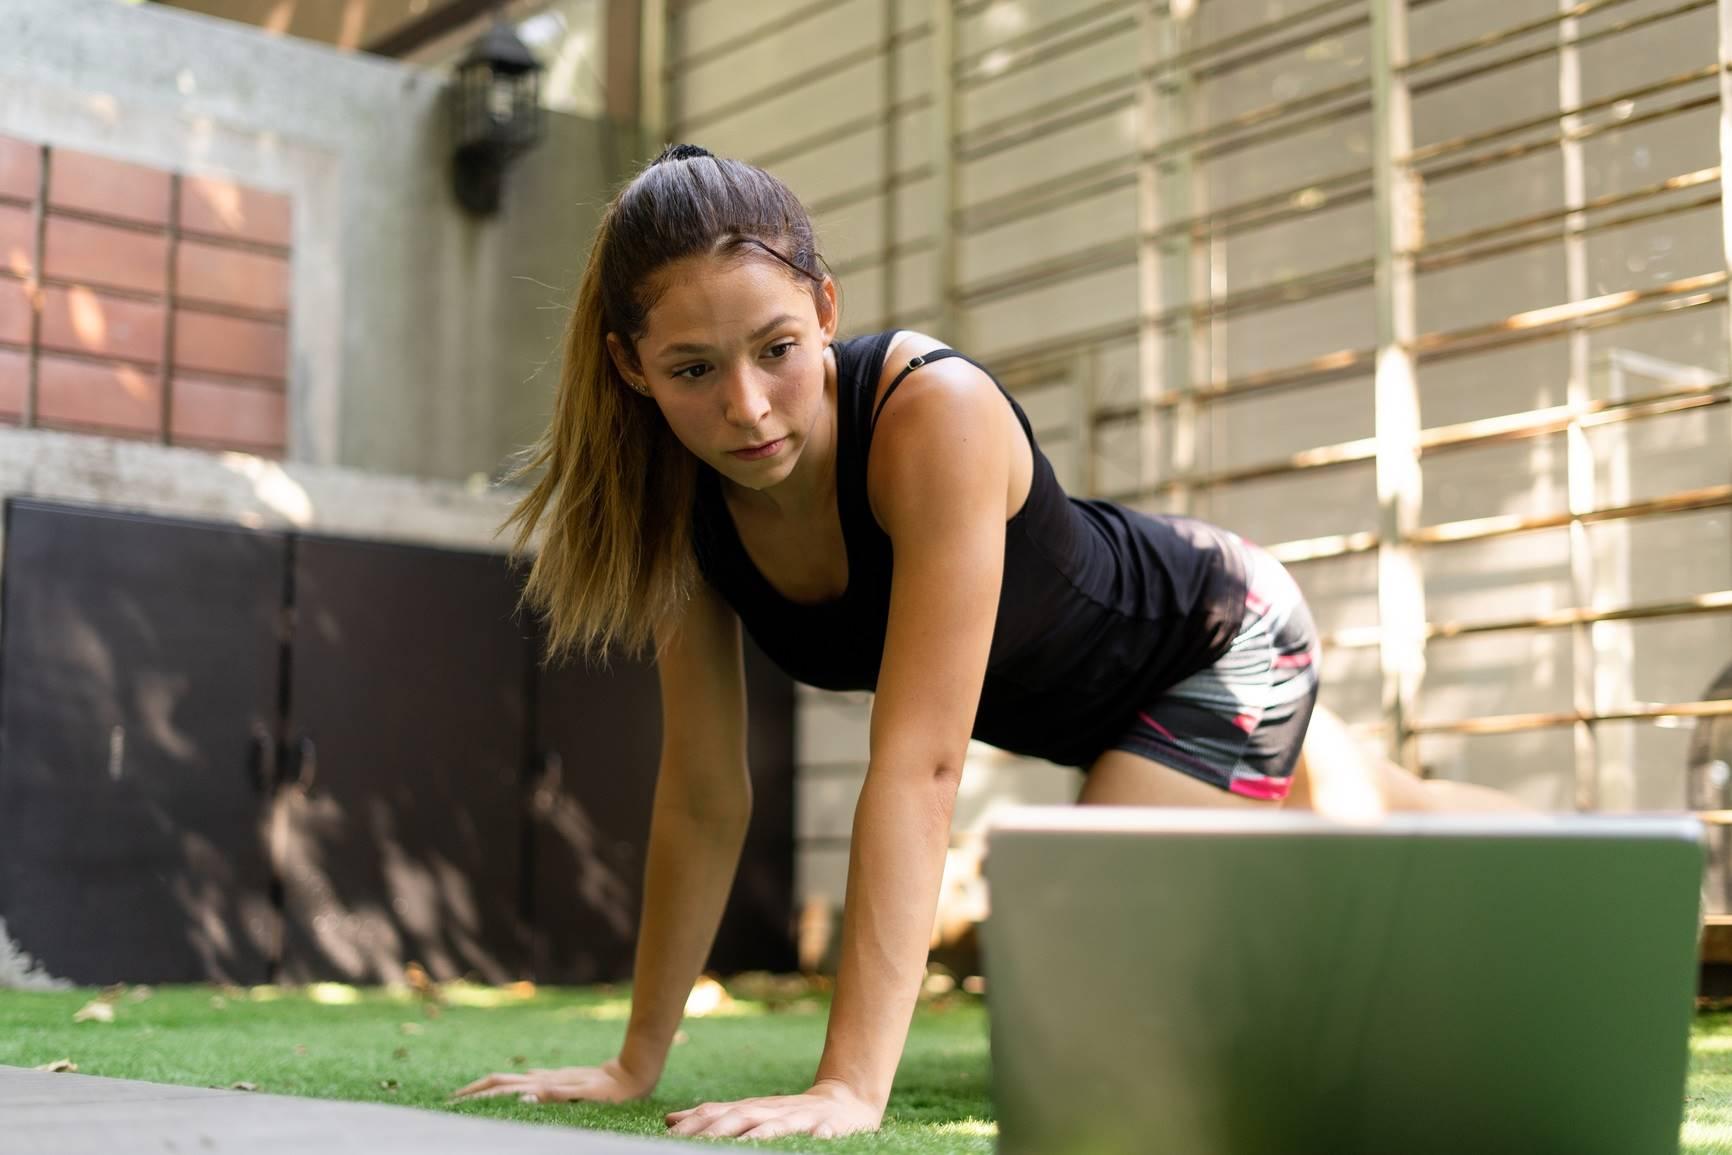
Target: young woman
[(876, 512)]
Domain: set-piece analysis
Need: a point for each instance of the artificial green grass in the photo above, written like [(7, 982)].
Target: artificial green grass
[(285, 1042), (1708, 1094)]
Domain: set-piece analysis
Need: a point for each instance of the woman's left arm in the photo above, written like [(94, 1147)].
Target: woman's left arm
[(939, 480)]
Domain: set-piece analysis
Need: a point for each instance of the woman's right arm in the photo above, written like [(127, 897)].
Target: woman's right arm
[(703, 805)]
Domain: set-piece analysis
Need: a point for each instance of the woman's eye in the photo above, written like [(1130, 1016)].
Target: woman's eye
[(693, 372)]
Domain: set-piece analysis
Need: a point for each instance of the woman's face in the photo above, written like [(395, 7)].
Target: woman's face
[(733, 353)]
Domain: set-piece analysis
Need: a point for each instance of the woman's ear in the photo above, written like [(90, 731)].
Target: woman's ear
[(625, 364), (828, 312)]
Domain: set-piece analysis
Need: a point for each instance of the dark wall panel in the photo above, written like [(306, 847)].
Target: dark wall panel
[(407, 745), (758, 932), (140, 670), (432, 797), (600, 741)]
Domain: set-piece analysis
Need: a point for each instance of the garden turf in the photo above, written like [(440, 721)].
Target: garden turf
[(390, 1047), (385, 1048)]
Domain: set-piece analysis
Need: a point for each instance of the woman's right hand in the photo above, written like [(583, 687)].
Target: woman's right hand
[(608, 1083)]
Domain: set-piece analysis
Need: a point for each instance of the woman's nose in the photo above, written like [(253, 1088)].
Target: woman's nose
[(746, 400)]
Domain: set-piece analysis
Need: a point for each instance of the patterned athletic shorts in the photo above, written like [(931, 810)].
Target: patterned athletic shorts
[(1239, 723)]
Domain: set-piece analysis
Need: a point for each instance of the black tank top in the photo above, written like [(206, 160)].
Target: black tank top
[(1101, 607)]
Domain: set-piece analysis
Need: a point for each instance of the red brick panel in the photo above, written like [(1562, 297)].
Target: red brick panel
[(17, 239), (222, 208), (99, 255), (20, 168), (228, 276), (13, 383), (231, 416), (82, 394), (79, 321), (14, 313), (207, 343), (96, 184)]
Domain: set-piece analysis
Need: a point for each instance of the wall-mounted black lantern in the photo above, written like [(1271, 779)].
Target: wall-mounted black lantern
[(496, 101)]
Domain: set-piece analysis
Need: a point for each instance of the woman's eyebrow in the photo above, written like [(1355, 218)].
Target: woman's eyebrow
[(761, 332)]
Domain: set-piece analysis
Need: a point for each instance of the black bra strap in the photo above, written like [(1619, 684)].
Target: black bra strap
[(917, 362)]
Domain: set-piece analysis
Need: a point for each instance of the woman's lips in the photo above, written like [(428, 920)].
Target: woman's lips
[(761, 451)]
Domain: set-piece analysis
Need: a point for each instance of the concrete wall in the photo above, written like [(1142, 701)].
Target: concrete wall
[(418, 335), (243, 490)]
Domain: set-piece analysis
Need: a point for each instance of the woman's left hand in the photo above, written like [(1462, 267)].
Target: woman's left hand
[(827, 1111)]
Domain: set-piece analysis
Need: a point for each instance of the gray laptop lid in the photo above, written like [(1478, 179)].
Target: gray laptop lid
[(1228, 983)]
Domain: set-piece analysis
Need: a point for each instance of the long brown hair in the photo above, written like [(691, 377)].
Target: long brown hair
[(616, 486)]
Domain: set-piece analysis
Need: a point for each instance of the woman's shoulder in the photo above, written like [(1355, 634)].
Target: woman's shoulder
[(897, 348)]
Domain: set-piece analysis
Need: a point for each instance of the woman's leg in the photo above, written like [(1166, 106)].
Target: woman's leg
[(1335, 777), (1121, 778)]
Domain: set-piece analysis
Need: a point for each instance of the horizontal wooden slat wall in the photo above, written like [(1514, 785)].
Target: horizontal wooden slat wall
[(1501, 470)]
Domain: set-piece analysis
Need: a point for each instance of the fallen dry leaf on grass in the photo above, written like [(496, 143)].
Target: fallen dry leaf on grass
[(101, 1008), (411, 1028), (95, 1012), (388, 1084), (416, 976), (333, 994), (708, 997), (243, 1086), (218, 1003), (300, 1048), (400, 1053), (139, 993), (464, 993), (59, 1065)]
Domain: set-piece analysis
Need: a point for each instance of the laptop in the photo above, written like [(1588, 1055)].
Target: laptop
[(1216, 982)]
